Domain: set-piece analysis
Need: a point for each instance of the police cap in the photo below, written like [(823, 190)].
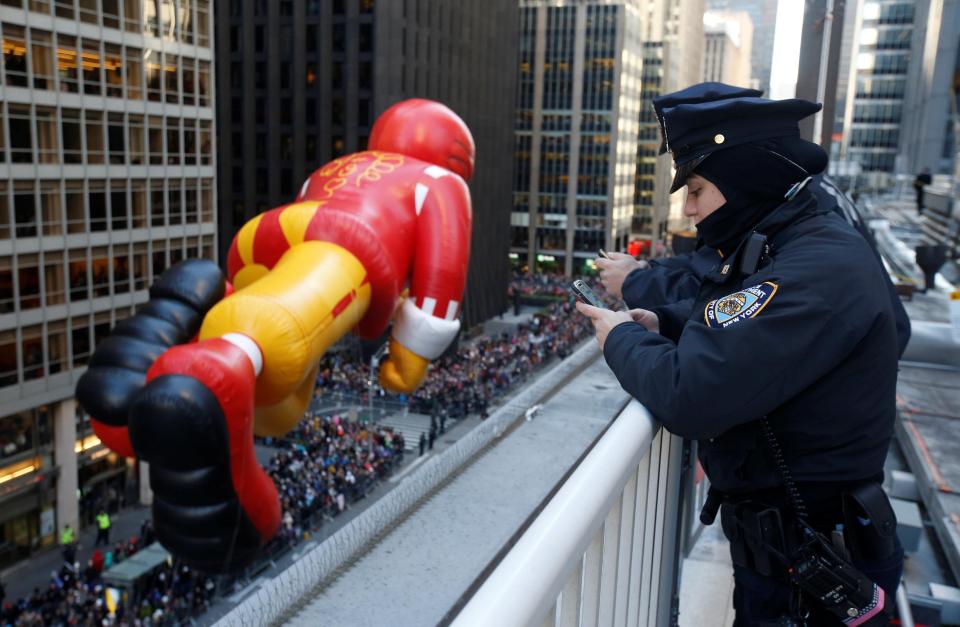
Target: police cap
[(695, 94), (695, 131)]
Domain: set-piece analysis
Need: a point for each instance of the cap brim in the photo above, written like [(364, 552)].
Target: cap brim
[(684, 171)]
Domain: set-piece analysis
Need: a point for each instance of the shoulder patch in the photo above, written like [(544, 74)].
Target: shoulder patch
[(738, 306)]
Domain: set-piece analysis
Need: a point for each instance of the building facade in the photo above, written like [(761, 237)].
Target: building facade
[(763, 17), (106, 179), (302, 81), (728, 37), (578, 111), (673, 56)]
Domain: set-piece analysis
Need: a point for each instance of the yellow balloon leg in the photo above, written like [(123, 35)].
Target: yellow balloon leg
[(315, 294)]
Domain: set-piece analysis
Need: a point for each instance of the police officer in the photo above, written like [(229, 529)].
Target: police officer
[(661, 281), (784, 364)]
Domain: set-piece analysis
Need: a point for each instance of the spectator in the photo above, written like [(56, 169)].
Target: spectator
[(68, 543), (923, 179)]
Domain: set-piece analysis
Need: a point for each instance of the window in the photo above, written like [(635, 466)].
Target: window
[(97, 202), (170, 78), (41, 59), (259, 37), (80, 338), (135, 139), (54, 290), (21, 144), (155, 139), (57, 346), (94, 129), (115, 141), (4, 212), (113, 70), (67, 63), (173, 141), (189, 142), (203, 83), (88, 11), (260, 75), (191, 199), (6, 287), (131, 15), (72, 140), (312, 40), (28, 274), (9, 427), (185, 17), (285, 75), (47, 151), (152, 61), (206, 201), (78, 282), (92, 82), (121, 269), (261, 145), (203, 23), (138, 203), (189, 78), (206, 142), (157, 215), (24, 209), (100, 271), (51, 210), (111, 13), (15, 55), (64, 8), (141, 275), (118, 206), (76, 214), (311, 111)]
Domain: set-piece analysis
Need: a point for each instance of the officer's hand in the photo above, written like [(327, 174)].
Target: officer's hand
[(614, 271), (603, 319), (648, 319)]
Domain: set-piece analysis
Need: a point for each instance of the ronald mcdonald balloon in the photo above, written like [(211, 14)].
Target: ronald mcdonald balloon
[(373, 238)]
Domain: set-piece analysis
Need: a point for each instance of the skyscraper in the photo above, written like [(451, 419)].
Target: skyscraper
[(763, 15), (727, 45), (578, 107), (897, 104), (106, 178), (673, 57), (301, 82)]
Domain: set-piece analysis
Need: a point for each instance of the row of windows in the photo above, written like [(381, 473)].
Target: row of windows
[(874, 137), (881, 87), (261, 75), (874, 161), (879, 113), (527, 43), (521, 162), (172, 20), (49, 135), (49, 61), (79, 275), (312, 7), (29, 209), (312, 38), (558, 58), (60, 345), (554, 163), (26, 431)]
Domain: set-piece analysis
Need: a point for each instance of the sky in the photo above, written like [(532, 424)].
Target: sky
[(786, 49)]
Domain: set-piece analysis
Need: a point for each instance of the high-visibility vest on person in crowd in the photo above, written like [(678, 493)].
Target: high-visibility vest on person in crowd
[(67, 536), (103, 520)]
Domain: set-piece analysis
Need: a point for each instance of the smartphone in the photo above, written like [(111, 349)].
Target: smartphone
[(584, 293)]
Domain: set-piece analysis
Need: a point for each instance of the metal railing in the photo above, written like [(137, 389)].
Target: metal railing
[(603, 549)]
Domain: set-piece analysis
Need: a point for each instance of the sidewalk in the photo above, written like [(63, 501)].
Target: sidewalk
[(20, 579)]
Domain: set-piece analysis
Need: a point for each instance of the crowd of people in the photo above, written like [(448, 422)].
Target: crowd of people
[(467, 380), (326, 464), (76, 595)]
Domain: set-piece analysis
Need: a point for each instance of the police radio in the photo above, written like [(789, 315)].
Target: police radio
[(829, 579)]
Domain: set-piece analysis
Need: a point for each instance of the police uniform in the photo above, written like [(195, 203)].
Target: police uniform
[(678, 278), (802, 335)]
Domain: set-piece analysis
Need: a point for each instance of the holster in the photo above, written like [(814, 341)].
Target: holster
[(758, 540), (870, 526)]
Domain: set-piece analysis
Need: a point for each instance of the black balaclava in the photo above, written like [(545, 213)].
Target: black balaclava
[(754, 179)]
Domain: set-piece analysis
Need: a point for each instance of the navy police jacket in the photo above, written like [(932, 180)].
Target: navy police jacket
[(678, 278), (807, 340)]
